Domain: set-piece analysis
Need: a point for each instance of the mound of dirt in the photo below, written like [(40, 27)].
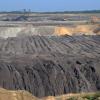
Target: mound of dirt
[(15, 95), (78, 30)]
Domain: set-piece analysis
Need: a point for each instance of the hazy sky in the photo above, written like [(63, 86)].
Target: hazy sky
[(49, 5)]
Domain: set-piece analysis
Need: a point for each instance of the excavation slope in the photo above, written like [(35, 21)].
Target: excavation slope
[(50, 65)]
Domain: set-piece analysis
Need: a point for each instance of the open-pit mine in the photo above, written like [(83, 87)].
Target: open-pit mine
[(49, 55)]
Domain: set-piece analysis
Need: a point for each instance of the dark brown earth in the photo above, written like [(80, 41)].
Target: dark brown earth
[(50, 65)]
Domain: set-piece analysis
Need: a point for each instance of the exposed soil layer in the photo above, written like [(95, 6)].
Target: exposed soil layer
[(23, 95)]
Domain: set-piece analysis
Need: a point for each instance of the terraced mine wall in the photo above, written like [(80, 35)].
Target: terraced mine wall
[(29, 29)]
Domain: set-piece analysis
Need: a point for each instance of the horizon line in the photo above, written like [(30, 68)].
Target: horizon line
[(27, 10)]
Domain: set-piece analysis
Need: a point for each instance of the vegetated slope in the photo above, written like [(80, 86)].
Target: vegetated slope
[(50, 65)]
